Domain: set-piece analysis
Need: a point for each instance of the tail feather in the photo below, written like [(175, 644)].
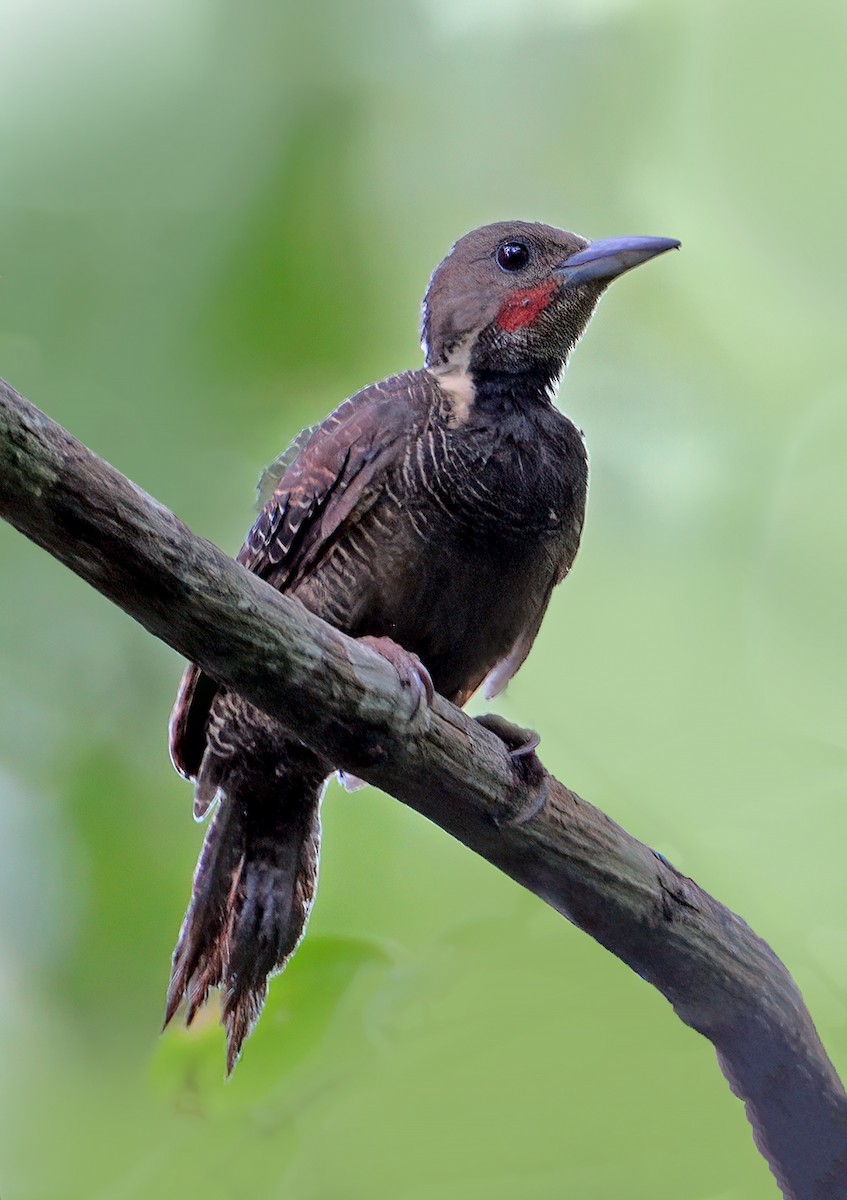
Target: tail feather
[(275, 895), (198, 960), (253, 888)]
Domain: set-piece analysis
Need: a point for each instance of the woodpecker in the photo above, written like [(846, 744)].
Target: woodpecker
[(430, 515)]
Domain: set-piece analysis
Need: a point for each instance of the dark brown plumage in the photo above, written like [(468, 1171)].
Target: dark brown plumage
[(437, 509)]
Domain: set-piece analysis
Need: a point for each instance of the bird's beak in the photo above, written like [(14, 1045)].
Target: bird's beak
[(611, 257)]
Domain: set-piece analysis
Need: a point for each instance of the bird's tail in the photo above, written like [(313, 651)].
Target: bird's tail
[(253, 887)]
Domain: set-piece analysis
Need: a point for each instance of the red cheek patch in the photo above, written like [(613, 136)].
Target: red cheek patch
[(524, 307)]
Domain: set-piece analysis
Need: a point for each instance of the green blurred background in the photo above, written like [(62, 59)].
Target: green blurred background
[(216, 220)]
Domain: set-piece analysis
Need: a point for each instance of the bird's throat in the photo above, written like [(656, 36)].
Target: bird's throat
[(498, 392)]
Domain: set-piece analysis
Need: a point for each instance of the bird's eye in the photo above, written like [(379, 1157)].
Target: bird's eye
[(512, 256)]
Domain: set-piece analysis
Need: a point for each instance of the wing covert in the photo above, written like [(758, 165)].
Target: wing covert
[(331, 480), (327, 479)]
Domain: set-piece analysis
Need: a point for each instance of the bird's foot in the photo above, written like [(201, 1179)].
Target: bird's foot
[(411, 671), (521, 745), (519, 742)]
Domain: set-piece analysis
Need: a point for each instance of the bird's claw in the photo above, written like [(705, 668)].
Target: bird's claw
[(521, 745), (410, 670), (529, 746), (519, 742)]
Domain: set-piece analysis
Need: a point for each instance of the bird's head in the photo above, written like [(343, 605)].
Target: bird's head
[(517, 296)]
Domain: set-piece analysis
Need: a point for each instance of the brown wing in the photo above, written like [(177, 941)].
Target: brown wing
[(329, 481)]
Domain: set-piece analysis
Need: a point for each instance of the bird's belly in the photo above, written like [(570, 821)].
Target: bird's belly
[(459, 603), (463, 617)]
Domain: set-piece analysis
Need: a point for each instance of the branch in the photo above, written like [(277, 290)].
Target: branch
[(344, 701)]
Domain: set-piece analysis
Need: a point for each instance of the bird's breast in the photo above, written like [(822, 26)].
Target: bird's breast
[(460, 548), (481, 528), (521, 480)]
